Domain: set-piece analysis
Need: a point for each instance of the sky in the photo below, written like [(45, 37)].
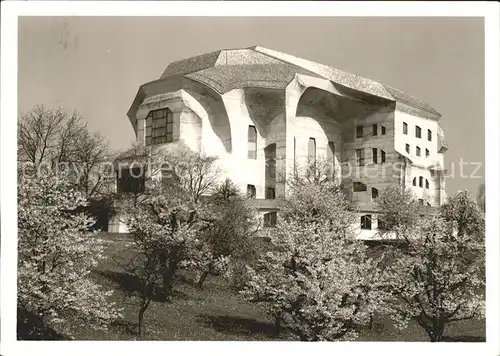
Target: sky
[(95, 65)]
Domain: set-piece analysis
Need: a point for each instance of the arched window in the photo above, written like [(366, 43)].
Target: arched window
[(252, 142), (420, 182), (159, 126), (426, 184), (415, 181)]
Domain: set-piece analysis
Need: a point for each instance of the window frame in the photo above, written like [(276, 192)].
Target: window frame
[(375, 130), (418, 151), (366, 222), (159, 134), (360, 156), (418, 132), (375, 155), (407, 148), (359, 187), (359, 131), (251, 191), (429, 135), (405, 128), (252, 145)]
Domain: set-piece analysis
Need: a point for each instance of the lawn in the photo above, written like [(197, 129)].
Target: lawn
[(218, 313)]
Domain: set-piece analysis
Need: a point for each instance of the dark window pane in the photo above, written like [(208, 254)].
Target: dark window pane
[(358, 187), (359, 131)]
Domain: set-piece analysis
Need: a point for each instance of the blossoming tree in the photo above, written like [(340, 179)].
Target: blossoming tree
[(56, 253), (316, 279)]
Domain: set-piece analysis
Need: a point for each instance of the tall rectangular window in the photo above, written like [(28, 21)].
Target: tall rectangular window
[(374, 155), (366, 222), (159, 127), (359, 131), (407, 148), (418, 151), (382, 129), (311, 151), (294, 153), (382, 156), (374, 129), (252, 142), (360, 156), (418, 132), (330, 156), (429, 135), (405, 128), (427, 153), (270, 219)]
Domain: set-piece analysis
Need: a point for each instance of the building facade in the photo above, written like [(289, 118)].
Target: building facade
[(262, 112)]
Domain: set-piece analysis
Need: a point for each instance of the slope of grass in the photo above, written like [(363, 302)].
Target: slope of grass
[(218, 313)]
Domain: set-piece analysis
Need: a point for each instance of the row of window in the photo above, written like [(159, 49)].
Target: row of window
[(420, 182), (252, 192), (360, 130), (360, 156), (418, 131), (418, 151), (361, 187)]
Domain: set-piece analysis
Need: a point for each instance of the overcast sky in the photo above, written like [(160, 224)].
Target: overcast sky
[(96, 65)]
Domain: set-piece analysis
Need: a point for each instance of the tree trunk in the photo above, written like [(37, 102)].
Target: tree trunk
[(168, 280), (277, 325), (202, 278), (141, 318)]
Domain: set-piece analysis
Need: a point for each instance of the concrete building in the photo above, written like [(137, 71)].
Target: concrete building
[(261, 111)]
